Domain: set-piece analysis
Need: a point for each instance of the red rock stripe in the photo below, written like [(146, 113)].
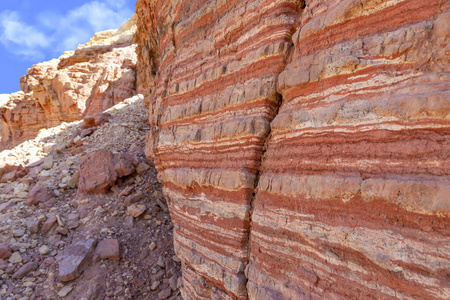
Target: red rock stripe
[(283, 8), (241, 196), (220, 146), (331, 82), (376, 214), (326, 152), (272, 65), (187, 32), (390, 18), (208, 280), (212, 240), (213, 116), (306, 274)]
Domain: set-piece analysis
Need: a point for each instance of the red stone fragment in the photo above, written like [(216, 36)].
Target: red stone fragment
[(108, 249), (38, 194)]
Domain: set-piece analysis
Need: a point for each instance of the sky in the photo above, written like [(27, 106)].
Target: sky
[(33, 31)]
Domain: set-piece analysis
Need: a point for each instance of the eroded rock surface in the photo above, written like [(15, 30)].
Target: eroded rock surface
[(94, 77), (345, 103)]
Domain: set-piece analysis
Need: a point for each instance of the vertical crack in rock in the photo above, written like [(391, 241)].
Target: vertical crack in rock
[(258, 175), (214, 98)]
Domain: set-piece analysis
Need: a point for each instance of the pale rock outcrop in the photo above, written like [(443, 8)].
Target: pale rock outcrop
[(303, 145), (90, 79)]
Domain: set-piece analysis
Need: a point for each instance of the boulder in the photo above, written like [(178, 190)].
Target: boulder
[(97, 172), (100, 170), (38, 194), (75, 259)]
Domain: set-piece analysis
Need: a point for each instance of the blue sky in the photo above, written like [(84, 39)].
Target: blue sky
[(33, 31)]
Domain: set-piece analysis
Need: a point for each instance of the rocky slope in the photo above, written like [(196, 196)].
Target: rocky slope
[(94, 77), (58, 242), (302, 145)]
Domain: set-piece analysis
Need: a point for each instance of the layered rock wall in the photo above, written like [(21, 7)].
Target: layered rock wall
[(214, 98), (90, 79), (354, 198), (303, 147)]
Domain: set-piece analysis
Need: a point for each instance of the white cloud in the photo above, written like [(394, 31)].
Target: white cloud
[(55, 33), (20, 38), (80, 23)]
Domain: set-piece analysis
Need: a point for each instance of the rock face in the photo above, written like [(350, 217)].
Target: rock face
[(94, 77), (303, 147)]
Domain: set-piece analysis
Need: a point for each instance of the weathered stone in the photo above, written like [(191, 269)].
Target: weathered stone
[(15, 258), (4, 251), (47, 163), (155, 285), (136, 197), (10, 172), (152, 246), (25, 270), (74, 259), (164, 294), (65, 291), (48, 224), (124, 165), (18, 232), (62, 230), (3, 264), (108, 249), (160, 262), (97, 172), (5, 206), (38, 194), (44, 250), (127, 191), (33, 225), (96, 120), (73, 181), (142, 168), (173, 281), (86, 132), (19, 246), (136, 210)]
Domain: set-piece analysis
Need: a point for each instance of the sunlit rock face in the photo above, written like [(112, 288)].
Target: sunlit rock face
[(82, 82), (303, 146)]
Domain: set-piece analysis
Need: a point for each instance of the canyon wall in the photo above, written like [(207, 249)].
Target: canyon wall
[(94, 77), (303, 146)]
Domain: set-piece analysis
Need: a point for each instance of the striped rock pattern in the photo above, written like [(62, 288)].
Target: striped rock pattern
[(214, 98), (353, 201), (303, 149)]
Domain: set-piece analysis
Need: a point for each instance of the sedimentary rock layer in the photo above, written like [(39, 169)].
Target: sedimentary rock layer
[(354, 198), (90, 79), (303, 146), (214, 97)]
